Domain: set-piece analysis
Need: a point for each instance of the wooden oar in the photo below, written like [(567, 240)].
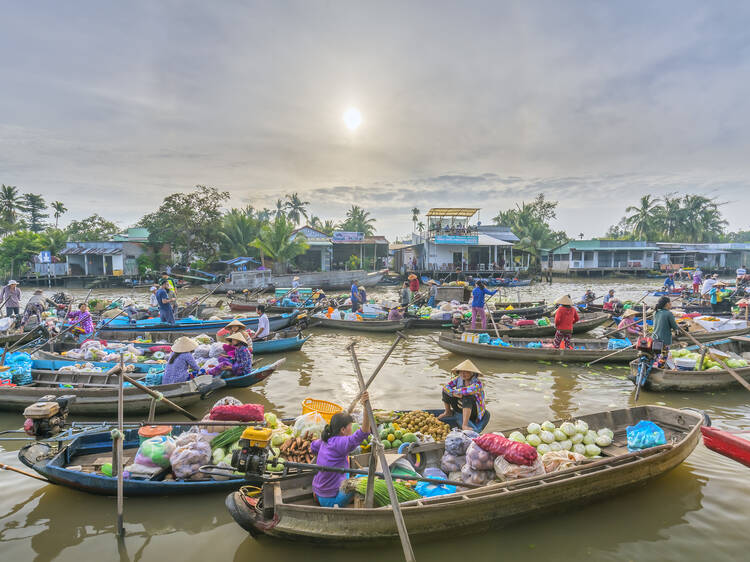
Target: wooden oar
[(719, 360), (399, 336), (610, 355), (153, 393), (378, 446)]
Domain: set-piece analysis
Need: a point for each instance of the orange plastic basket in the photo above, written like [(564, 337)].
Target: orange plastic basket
[(324, 408)]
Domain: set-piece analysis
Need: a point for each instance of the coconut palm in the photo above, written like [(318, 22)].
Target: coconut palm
[(239, 228), (59, 209), (295, 208), (10, 204), (328, 227), (642, 219), (280, 208), (415, 216), (54, 240), (275, 241), (358, 220), (420, 227)]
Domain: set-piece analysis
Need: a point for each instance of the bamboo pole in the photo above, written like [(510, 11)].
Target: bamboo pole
[(118, 445), (399, 336), (157, 396), (400, 524), (19, 471)]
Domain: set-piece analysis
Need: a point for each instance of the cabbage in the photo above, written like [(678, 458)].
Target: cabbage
[(271, 420), (736, 363), (543, 448), (534, 428), (517, 436), (593, 451), (566, 445), (547, 436), (533, 439), (580, 449), (608, 432), (576, 438), (568, 429), (581, 426), (559, 435), (555, 446), (603, 441), (589, 438), (548, 425)]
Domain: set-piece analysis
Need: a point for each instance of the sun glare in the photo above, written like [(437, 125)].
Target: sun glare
[(352, 118)]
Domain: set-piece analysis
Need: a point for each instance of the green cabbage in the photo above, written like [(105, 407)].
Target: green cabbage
[(548, 426), (543, 448), (608, 432), (579, 448), (555, 446), (534, 428), (593, 451), (566, 445), (603, 441), (517, 436), (547, 436), (559, 435), (533, 439), (576, 438), (568, 429), (581, 426), (589, 438)]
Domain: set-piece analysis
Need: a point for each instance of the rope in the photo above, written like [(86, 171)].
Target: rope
[(159, 395), (117, 434)]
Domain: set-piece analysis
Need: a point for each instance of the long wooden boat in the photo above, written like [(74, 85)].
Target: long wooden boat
[(707, 336), (731, 445), (590, 350), (185, 327), (252, 306), (287, 509), (22, 338), (586, 323), (660, 380), (83, 451), (360, 325)]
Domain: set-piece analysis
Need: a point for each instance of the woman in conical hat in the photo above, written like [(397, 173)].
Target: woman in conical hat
[(233, 327), (565, 316), (463, 396), (181, 361)]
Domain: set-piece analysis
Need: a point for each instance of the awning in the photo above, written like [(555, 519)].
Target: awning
[(78, 251), (240, 261), (462, 212), (486, 240)]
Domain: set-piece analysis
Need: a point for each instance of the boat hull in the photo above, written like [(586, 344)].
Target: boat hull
[(662, 380), (728, 444), (382, 326), (588, 322)]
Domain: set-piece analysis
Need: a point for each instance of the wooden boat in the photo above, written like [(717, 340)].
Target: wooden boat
[(660, 380), (707, 336), (22, 338), (360, 325), (587, 322), (121, 329), (287, 509), (731, 445), (592, 349), (252, 306), (82, 453)]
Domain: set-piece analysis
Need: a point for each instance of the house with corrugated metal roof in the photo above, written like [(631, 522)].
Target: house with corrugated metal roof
[(581, 256)]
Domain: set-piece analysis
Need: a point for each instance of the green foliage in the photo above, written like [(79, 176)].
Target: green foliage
[(358, 220), (17, 249), (239, 229), (530, 222), (739, 236), (54, 240), (34, 206), (274, 241), (295, 208), (91, 229), (353, 262), (190, 222), (11, 206), (59, 209), (690, 218)]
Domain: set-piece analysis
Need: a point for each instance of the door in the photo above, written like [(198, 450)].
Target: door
[(107, 265), (457, 256)]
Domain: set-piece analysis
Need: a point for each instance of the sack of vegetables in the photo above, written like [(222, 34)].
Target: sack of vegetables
[(513, 451)]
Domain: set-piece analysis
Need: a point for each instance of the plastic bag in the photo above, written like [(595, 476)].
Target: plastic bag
[(458, 441), (428, 490), (434, 472), (234, 412), (479, 459), (155, 452), (137, 470), (616, 343), (452, 463), (216, 349), (478, 477), (505, 470), (644, 435), (514, 452), (559, 460), (186, 461), (202, 351), (312, 422), (227, 401)]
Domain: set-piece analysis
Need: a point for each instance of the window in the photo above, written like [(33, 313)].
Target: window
[(576, 256)]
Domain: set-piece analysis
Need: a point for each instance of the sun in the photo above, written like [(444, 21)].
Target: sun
[(352, 118)]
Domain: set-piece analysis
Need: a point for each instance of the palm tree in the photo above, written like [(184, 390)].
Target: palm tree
[(296, 208), (275, 241), (54, 240), (670, 216), (239, 228), (415, 216), (358, 220), (643, 218), (328, 227), (420, 227), (279, 208), (10, 204), (59, 209)]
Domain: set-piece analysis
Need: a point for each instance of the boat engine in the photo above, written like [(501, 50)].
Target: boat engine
[(47, 416), (252, 454)]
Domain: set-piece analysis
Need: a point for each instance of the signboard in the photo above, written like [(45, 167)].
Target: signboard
[(45, 257), (342, 236), (456, 240)]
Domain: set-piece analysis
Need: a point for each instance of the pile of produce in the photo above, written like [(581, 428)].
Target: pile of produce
[(709, 364), (297, 449), (380, 491), (424, 423), (570, 436), (392, 436)]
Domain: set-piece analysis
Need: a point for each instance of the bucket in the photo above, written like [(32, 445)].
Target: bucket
[(149, 431)]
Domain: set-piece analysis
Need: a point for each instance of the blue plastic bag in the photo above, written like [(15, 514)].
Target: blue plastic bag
[(484, 338), (644, 435), (427, 490), (617, 343), (20, 367)]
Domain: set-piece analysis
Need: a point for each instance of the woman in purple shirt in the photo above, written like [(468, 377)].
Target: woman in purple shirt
[(333, 449), (180, 361), (82, 317)]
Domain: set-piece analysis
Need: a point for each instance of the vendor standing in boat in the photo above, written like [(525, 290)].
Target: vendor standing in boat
[(264, 326), (232, 328), (37, 304), (11, 296), (81, 318), (405, 294), (362, 296), (718, 302), (413, 283), (464, 395), (664, 324), (477, 304), (295, 288), (433, 293), (355, 297), (181, 361), (333, 448), (166, 312), (153, 304), (697, 279), (565, 316)]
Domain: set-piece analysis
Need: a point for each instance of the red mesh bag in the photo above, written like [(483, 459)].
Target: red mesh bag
[(243, 412), (512, 451), (525, 323), (164, 348)]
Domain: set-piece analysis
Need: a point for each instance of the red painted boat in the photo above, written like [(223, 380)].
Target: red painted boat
[(243, 307), (728, 444)]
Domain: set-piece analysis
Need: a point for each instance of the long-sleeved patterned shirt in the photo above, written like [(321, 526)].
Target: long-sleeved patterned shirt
[(456, 387), (85, 323), (243, 360)]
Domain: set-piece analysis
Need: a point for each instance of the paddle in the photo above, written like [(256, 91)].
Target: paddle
[(156, 395), (399, 336), (610, 355), (718, 359), (378, 446), (19, 471), (202, 299)]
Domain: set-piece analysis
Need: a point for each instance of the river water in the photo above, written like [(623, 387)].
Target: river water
[(699, 511)]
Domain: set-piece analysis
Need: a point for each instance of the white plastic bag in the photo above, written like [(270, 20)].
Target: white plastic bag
[(309, 423), (505, 470)]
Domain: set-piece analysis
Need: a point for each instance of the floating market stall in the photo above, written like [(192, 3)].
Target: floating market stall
[(543, 327)]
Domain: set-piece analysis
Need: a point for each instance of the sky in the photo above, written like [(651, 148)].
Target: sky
[(110, 106)]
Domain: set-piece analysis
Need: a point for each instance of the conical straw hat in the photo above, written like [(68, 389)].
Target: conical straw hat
[(239, 336), (466, 366), (183, 345), (564, 300)]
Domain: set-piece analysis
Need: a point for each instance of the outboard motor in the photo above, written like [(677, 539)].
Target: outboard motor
[(47, 417)]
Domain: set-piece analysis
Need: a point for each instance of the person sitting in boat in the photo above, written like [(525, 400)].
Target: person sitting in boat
[(433, 293), (628, 326), (232, 328), (477, 304), (565, 316), (181, 364), (588, 297), (333, 448), (669, 284), (81, 318), (395, 314), (457, 323), (264, 326), (129, 309), (237, 358), (463, 396), (362, 296)]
